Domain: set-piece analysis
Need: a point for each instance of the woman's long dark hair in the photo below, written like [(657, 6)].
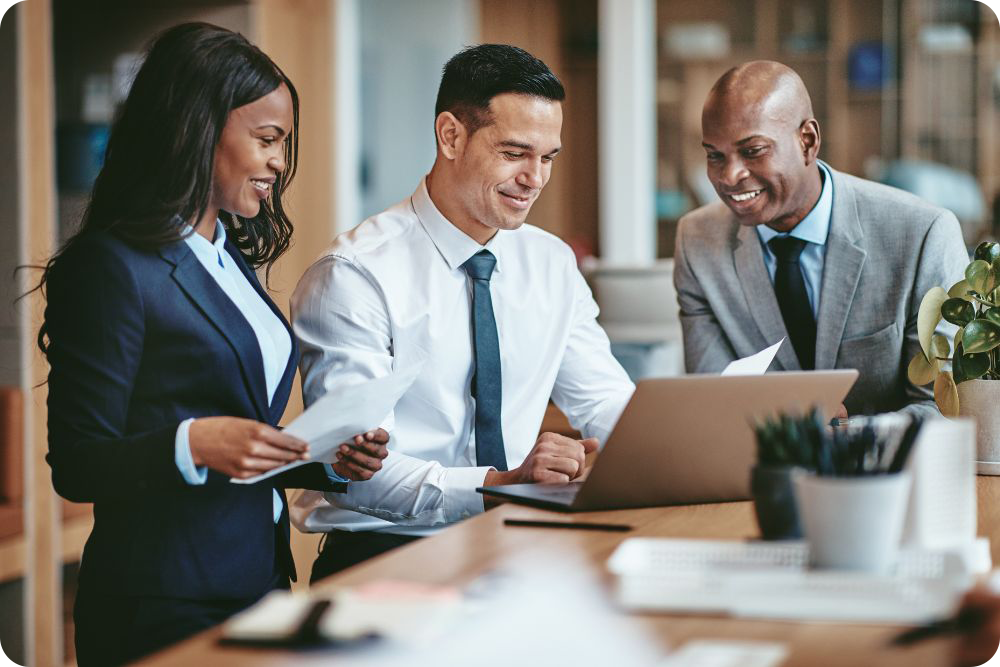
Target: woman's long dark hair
[(157, 173)]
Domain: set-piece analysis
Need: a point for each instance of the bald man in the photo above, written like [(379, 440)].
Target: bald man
[(834, 263)]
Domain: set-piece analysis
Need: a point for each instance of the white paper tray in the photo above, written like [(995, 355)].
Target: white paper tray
[(772, 580)]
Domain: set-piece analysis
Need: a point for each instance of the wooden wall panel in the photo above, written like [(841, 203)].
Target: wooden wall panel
[(297, 34), (37, 232), (534, 26)]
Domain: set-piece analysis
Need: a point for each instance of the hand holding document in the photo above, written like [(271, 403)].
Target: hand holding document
[(342, 413), (756, 364)]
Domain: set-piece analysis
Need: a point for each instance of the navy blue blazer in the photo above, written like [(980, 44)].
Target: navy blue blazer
[(138, 342)]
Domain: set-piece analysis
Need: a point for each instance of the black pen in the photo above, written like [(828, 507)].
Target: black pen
[(906, 444), (308, 631), (964, 621), (580, 525)]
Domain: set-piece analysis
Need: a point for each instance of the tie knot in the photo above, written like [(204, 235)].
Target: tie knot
[(786, 248), (480, 266)]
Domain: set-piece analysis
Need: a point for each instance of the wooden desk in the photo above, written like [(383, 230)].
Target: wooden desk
[(462, 552)]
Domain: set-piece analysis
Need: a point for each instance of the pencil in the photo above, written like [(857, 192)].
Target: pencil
[(964, 621), (579, 525)]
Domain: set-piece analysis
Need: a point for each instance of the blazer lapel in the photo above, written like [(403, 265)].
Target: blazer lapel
[(284, 388), (227, 318), (845, 257), (280, 399), (759, 295)]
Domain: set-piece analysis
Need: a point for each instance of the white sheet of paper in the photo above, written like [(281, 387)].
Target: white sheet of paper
[(343, 413), (755, 364), (727, 653)]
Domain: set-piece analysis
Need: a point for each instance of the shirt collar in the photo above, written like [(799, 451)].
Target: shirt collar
[(201, 246), (816, 225), (455, 246)]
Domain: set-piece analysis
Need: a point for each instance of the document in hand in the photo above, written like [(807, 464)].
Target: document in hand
[(343, 413), (755, 364)]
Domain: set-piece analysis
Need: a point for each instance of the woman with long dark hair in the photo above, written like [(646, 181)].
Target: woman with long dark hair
[(170, 366)]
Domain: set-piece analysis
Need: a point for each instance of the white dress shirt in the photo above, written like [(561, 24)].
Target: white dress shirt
[(391, 293), (272, 337), (813, 229)]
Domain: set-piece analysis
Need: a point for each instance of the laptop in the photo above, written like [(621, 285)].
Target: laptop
[(685, 440)]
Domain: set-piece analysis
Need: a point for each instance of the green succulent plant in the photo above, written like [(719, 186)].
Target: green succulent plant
[(973, 305), (790, 440)]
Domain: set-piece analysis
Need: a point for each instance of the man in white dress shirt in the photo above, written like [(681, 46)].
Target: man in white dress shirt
[(495, 309)]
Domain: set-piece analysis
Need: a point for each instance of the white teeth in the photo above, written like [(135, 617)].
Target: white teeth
[(746, 196), (263, 185)]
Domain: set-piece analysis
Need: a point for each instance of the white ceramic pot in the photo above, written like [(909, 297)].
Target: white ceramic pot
[(980, 399), (852, 523)]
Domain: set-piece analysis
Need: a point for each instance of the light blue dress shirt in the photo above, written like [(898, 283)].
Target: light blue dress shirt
[(272, 337), (814, 229)]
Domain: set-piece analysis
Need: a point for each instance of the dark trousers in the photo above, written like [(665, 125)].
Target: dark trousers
[(116, 629), (341, 549)]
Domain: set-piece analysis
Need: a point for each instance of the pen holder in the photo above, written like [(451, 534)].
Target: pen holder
[(852, 523)]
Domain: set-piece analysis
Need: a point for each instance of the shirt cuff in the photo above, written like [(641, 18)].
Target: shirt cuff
[(276, 504), (192, 474), (332, 474), (460, 498)]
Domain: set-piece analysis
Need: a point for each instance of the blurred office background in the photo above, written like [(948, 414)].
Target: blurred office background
[(906, 92)]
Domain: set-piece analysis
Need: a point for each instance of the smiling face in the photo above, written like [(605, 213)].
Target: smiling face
[(251, 154), (496, 174), (761, 158)]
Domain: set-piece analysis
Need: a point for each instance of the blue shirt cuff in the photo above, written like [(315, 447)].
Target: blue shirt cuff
[(332, 474), (192, 474), (276, 504)]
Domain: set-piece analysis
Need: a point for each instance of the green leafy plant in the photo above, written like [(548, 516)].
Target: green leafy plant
[(973, 305), (807, 441)]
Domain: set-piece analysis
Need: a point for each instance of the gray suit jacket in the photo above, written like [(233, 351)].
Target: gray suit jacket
[(884, 250)]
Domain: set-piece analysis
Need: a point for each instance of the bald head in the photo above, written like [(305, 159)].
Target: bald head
[(761, 142), (764, 86)]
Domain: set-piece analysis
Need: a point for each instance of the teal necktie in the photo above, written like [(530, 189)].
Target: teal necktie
[(486, 386)]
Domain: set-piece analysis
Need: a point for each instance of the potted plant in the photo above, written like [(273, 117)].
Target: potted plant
[(966, 388), (784, 443)]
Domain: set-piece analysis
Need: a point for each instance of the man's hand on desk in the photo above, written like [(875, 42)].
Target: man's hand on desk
[(554, 459), (361, 458)]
